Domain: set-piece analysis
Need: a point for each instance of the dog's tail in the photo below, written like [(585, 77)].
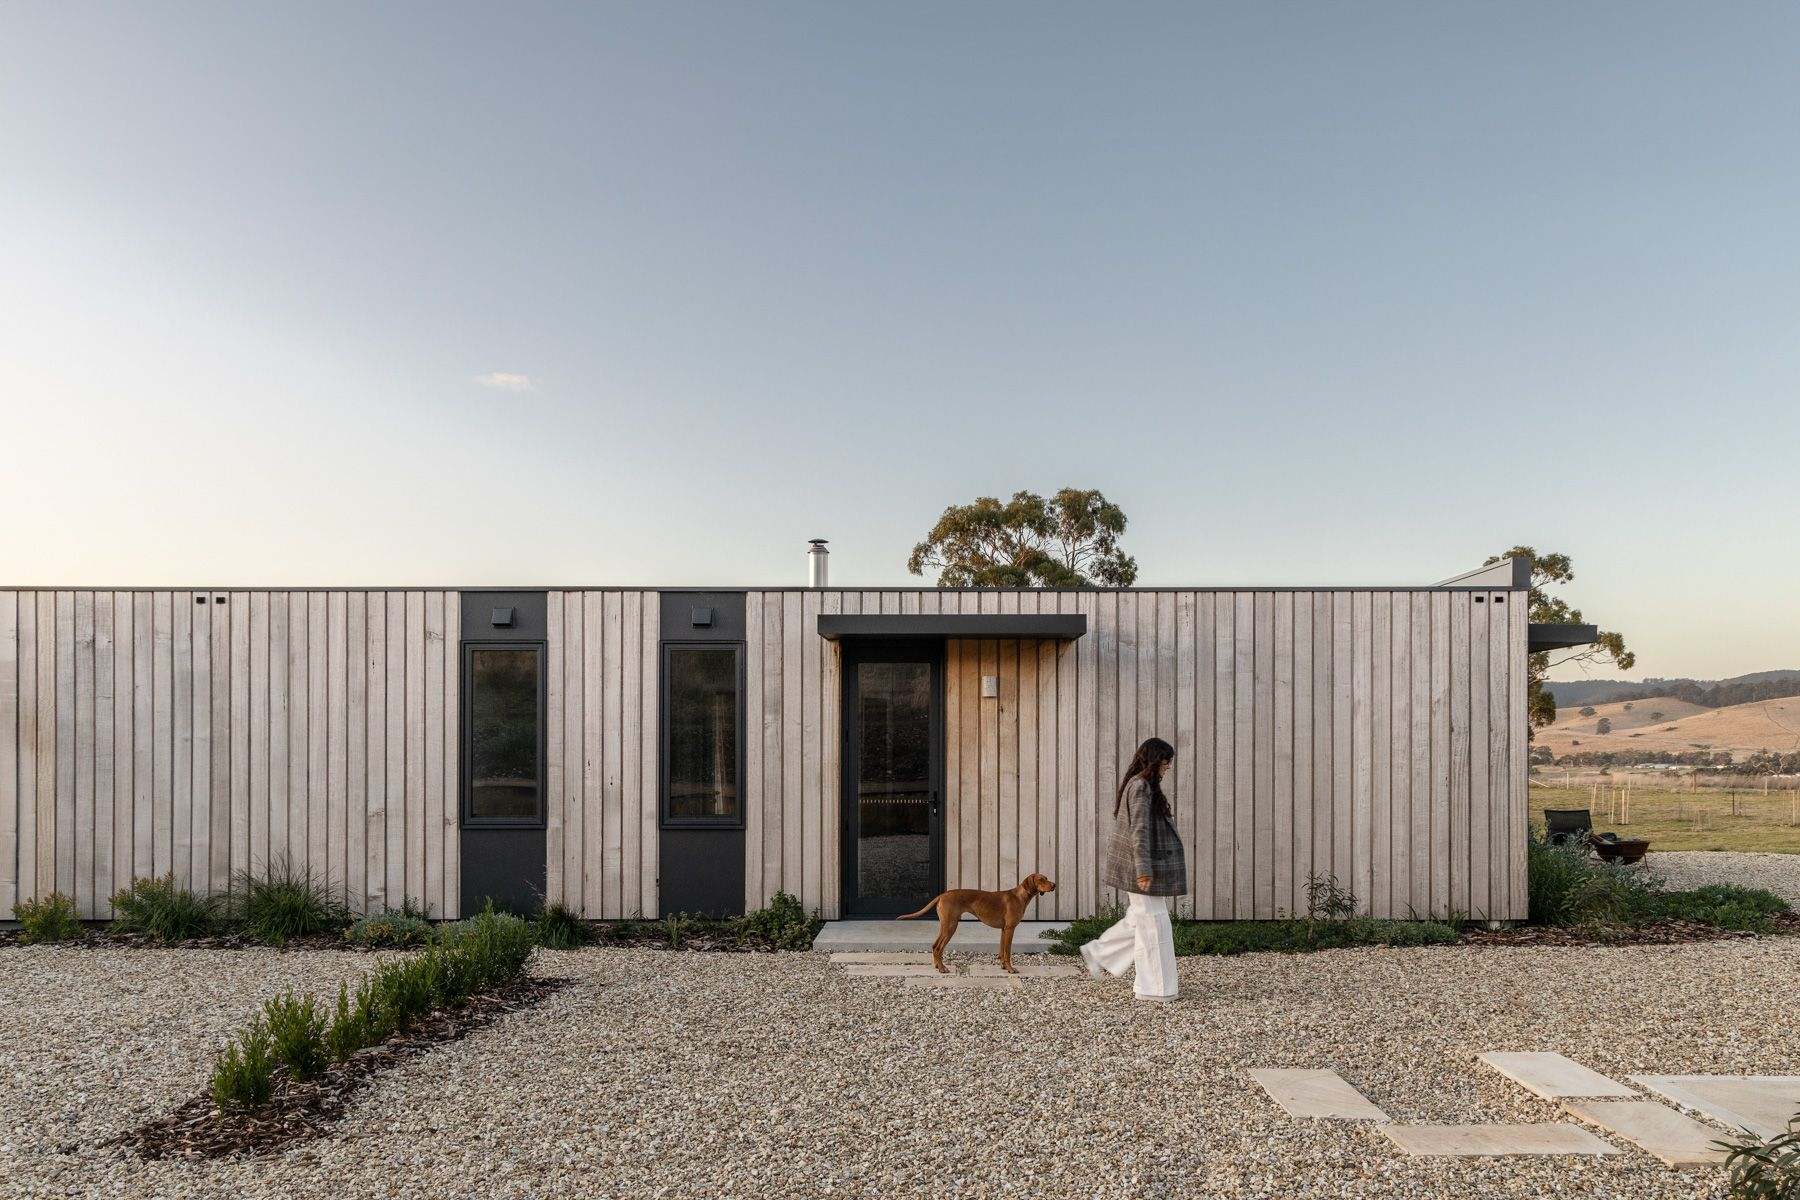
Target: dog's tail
[(928, 907)]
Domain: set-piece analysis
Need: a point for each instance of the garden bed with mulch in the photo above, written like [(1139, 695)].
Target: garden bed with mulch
[(102, 936), (1654, 933), (305, 1111)]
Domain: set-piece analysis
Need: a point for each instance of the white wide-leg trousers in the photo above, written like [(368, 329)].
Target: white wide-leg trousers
[(1144, 939)]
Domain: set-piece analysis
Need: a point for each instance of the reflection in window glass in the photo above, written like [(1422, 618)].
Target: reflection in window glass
[(893, 785), (503, 734), (703, 732)]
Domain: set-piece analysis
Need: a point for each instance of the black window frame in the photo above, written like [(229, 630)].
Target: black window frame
[(664, 732), (467, 704)]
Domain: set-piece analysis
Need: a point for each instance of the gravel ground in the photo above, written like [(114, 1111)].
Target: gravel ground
[(683, 1074), (1684, 869)]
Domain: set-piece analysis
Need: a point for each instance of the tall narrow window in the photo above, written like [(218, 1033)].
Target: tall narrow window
[(504, 751), (702, 717)]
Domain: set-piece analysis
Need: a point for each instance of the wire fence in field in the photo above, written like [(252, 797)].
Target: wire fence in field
[(1690, 796)]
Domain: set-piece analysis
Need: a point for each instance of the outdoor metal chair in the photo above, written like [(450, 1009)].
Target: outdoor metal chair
[(1568, 825)]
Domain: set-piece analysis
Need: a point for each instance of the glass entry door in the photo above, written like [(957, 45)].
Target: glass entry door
[(893, 777)]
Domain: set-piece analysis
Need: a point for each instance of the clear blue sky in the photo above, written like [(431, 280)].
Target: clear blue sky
[(1321, 293)]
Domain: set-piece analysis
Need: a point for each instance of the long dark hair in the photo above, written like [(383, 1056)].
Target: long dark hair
[(1152, 754)]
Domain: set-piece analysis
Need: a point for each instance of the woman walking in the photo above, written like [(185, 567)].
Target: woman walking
[(1144, 859)]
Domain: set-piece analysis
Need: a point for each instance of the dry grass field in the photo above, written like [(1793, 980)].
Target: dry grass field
[(1734, 814), (1662, 723)]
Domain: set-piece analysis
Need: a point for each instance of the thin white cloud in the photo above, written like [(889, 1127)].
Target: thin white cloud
[(505, 381)]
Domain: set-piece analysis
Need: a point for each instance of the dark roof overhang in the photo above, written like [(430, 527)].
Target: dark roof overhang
[(1549, 635), (1055, 626)]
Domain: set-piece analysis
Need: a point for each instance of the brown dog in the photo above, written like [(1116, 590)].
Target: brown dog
[(1001, 910)]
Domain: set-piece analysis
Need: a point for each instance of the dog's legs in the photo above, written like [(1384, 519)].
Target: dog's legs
[(948, 919), (1006, 949)]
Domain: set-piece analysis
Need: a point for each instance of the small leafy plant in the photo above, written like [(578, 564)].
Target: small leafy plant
[(783, 924), (244, 1073), (392, 928), (1765, 1169), (1326, 901), (348, 1031), (165, 910), (296, 1034), (52, 919), (286, 901), (1726, 906)]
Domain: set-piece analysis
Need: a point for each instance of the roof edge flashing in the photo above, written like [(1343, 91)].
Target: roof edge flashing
[(1051, 626)]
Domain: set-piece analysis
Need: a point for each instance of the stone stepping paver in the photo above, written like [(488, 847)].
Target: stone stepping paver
[(1031, 969), (880, 956), (1552, 1076), (1305, 1093), (968, 983), (1655, 1128), (1487, 1141), (1763, 1104), (888, 970)]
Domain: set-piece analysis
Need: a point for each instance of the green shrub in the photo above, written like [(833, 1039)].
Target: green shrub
[(1765, 1169), (496, 946), (474, 955), (1567, 885), (164, 910), (296, 1034), (559, 928), (783, 924), (244, 1073), (392, 928), (1724, 905), (1294, 936), (400, 994), (348, 1031), (285, 902), (52, 919)]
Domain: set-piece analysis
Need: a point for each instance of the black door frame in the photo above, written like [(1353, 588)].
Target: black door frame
[(503, 861), (856, 651)]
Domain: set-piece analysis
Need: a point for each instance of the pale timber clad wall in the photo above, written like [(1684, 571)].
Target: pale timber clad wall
[(1373, 737), (792, 737), (604, 665), (143, 733)]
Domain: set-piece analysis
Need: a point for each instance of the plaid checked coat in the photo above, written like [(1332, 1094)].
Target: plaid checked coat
[(1143, 842)]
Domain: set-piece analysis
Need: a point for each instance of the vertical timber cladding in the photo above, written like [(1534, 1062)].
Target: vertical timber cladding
[(503, 842), (207, 732), (601, 751), (1374, 737), (702, 859)]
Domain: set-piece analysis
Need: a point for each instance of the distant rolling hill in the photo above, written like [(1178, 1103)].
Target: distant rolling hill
[(1676, 726), (1711, 693)]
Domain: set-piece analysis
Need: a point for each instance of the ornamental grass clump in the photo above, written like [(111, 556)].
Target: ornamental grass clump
[(164, 910), (559, 928), (52, 919), (286, 901), (244, 1074)]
